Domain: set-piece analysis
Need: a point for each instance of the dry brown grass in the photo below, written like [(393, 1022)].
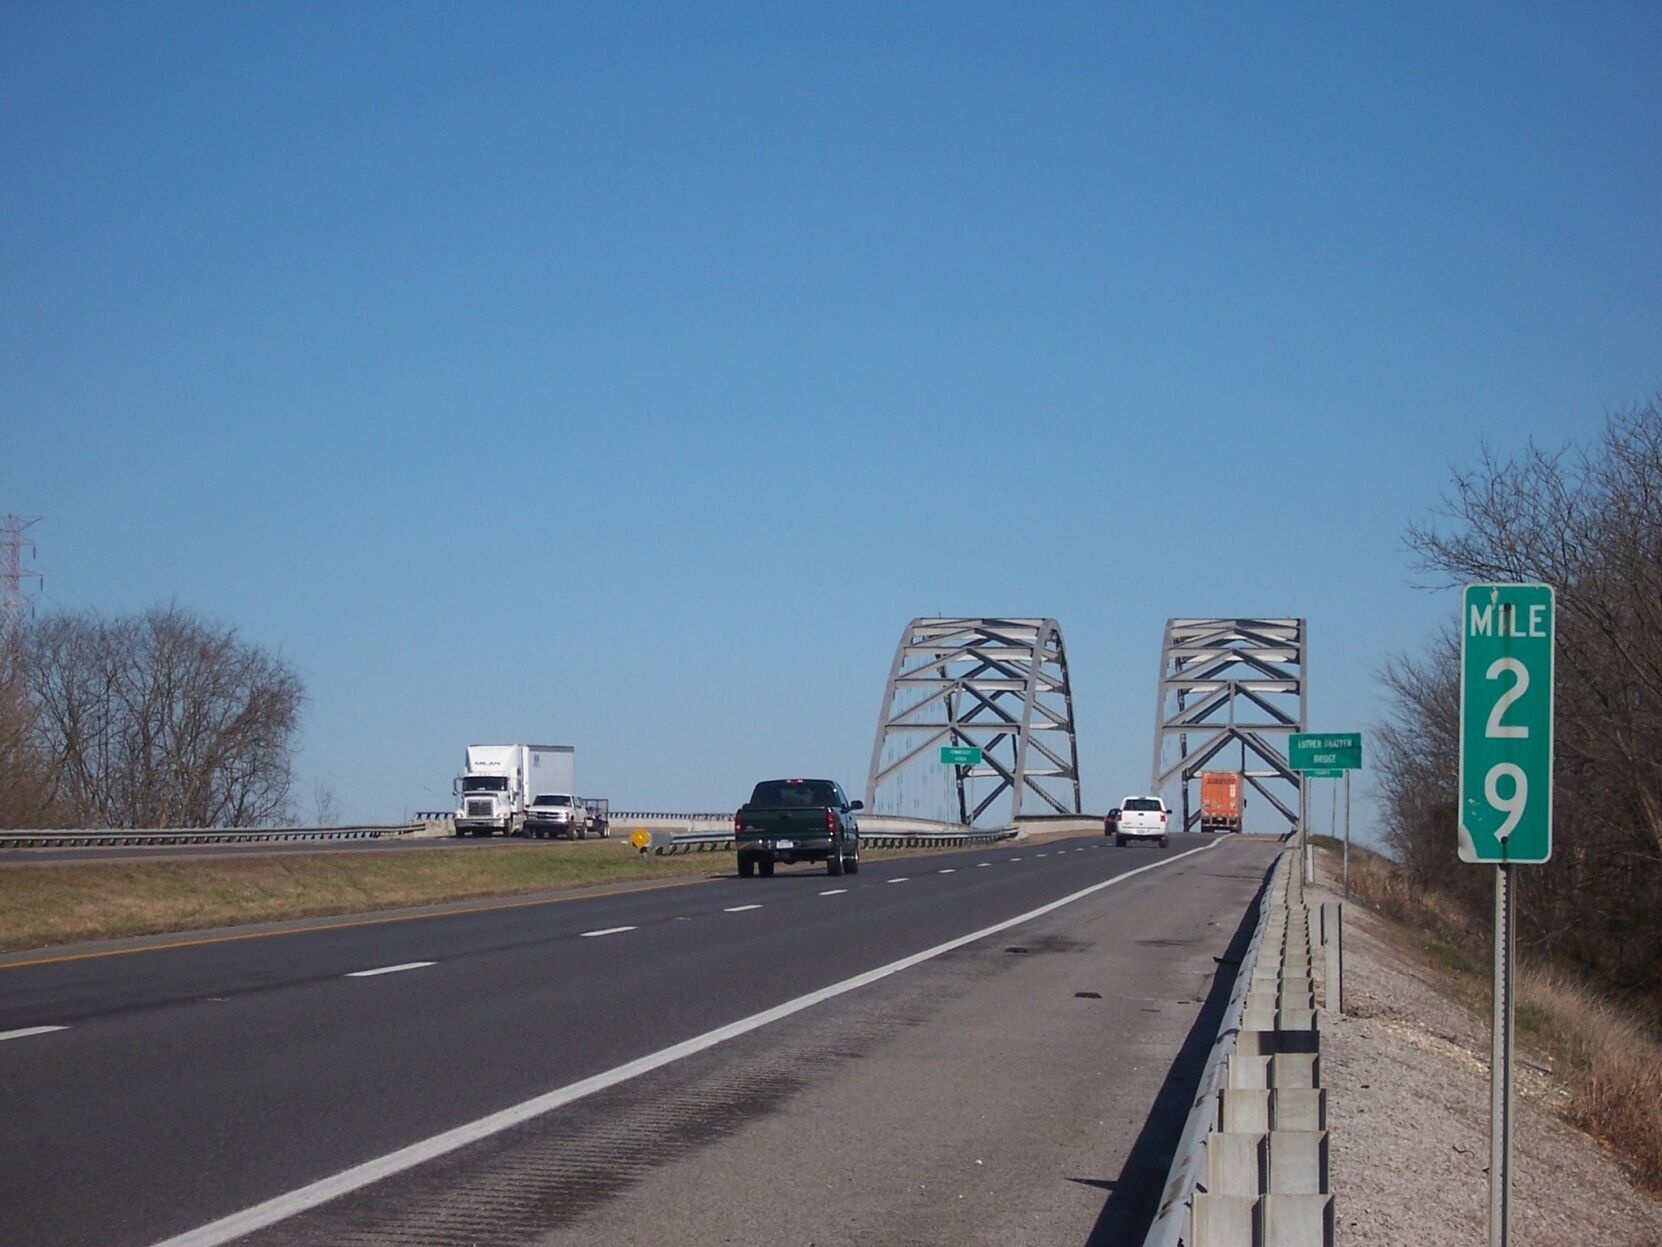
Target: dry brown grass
[(1610, 1062), (64, 903), (58, 904)]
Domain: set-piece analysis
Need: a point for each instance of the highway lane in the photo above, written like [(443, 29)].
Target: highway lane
[(199, 1081)]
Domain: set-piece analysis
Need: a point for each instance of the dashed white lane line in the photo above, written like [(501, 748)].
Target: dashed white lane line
[(950, 870), (604, 931), (902, 879), (1012, 859), (408, 965), (280, 1207), (979, 865), (1044, 854), (31, 1030), (834, 892), (739, 909)]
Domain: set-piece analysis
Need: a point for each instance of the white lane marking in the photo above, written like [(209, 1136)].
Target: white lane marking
[(1013, 859), (902, 879), (1044, 854), (281, 1207), (31, 1030), (408, 965), (739, 909), (834, 892), (950, 870), (978, 865), (604, 931)]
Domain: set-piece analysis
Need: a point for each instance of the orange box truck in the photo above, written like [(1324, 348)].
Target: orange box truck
[(1220, 801)]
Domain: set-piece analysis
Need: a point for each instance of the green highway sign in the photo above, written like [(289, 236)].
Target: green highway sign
[(961, 755), (1326, 773), (1325, 751), (1506, 682)]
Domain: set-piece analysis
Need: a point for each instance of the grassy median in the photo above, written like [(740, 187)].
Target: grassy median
[(65, 902), (62, 903)]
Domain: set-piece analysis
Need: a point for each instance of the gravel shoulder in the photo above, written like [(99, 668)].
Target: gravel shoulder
[(1407, 1072)]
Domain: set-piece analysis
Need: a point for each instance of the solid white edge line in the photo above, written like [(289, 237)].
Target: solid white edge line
[(408, 965), (31, 1030), (739, 909), (281, 1207), (586, 935)]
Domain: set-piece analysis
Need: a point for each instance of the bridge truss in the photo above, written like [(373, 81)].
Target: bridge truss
[(998, 684), (1230, 682)]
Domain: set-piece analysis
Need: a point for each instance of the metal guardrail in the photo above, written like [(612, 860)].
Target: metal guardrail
[(1172, 1220), (118, 837), (1252, 1169), (662, 843), (647, 816)]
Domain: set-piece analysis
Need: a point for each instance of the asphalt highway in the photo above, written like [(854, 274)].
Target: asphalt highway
[(728, 1060)]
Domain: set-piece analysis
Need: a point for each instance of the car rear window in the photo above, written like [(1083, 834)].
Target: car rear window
[(1142, 803), (783, 794)]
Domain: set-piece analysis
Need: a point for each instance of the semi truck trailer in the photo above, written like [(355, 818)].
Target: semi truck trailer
[(498, 782), (1220, 801)]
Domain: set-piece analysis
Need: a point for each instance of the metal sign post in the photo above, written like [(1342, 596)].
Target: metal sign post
[(1506, 726), (1347, 835), (1327, 755), (1500, 1065)]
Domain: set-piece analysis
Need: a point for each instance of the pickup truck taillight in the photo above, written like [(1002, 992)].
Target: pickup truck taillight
[(830, 821), (738, 824), (1162, 816)]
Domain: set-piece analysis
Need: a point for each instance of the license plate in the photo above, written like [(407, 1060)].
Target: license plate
[(784, 844)]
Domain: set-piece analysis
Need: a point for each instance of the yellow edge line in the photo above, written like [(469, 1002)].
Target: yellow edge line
[(341, 926)]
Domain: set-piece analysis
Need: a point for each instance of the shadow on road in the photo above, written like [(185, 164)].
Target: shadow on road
[(1134, 1197)]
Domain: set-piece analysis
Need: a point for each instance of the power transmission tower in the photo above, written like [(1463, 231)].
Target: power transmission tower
[(12, 576)]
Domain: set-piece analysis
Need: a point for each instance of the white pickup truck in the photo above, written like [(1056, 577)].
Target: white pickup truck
[(1142, 818), (557, 814)]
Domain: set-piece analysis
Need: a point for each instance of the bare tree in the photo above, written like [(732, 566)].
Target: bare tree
[(26, 790), (323, 805), (161, 720), (1587, 521)]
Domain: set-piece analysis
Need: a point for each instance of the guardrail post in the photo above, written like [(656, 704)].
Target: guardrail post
[(1333, 947)]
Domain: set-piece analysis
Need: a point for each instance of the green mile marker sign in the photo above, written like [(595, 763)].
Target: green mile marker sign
[(1506, 679), (961, 755)]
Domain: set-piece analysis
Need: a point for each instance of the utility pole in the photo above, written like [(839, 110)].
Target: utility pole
[(12, 576)]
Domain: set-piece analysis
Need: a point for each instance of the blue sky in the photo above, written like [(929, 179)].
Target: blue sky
[(628, 376)]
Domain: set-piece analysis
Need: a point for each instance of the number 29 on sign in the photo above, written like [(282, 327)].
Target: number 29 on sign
[(1506, 683)]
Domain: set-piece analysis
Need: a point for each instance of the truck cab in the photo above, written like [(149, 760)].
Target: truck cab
[(487, 805)]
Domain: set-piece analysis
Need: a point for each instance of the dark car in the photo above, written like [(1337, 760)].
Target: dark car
[(797, 820)]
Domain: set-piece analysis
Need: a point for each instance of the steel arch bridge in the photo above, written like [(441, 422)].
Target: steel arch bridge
[(999, 684), (1235, 681)]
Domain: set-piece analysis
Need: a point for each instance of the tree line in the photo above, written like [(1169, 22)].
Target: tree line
[(159, 719), (1587, 520)]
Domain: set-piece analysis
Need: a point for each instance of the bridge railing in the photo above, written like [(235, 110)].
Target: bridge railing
[(122, 837)]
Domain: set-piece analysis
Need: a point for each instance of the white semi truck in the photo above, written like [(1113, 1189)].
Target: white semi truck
[(499, 781)]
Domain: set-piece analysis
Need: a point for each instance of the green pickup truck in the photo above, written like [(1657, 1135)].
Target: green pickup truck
[(797, 820)]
